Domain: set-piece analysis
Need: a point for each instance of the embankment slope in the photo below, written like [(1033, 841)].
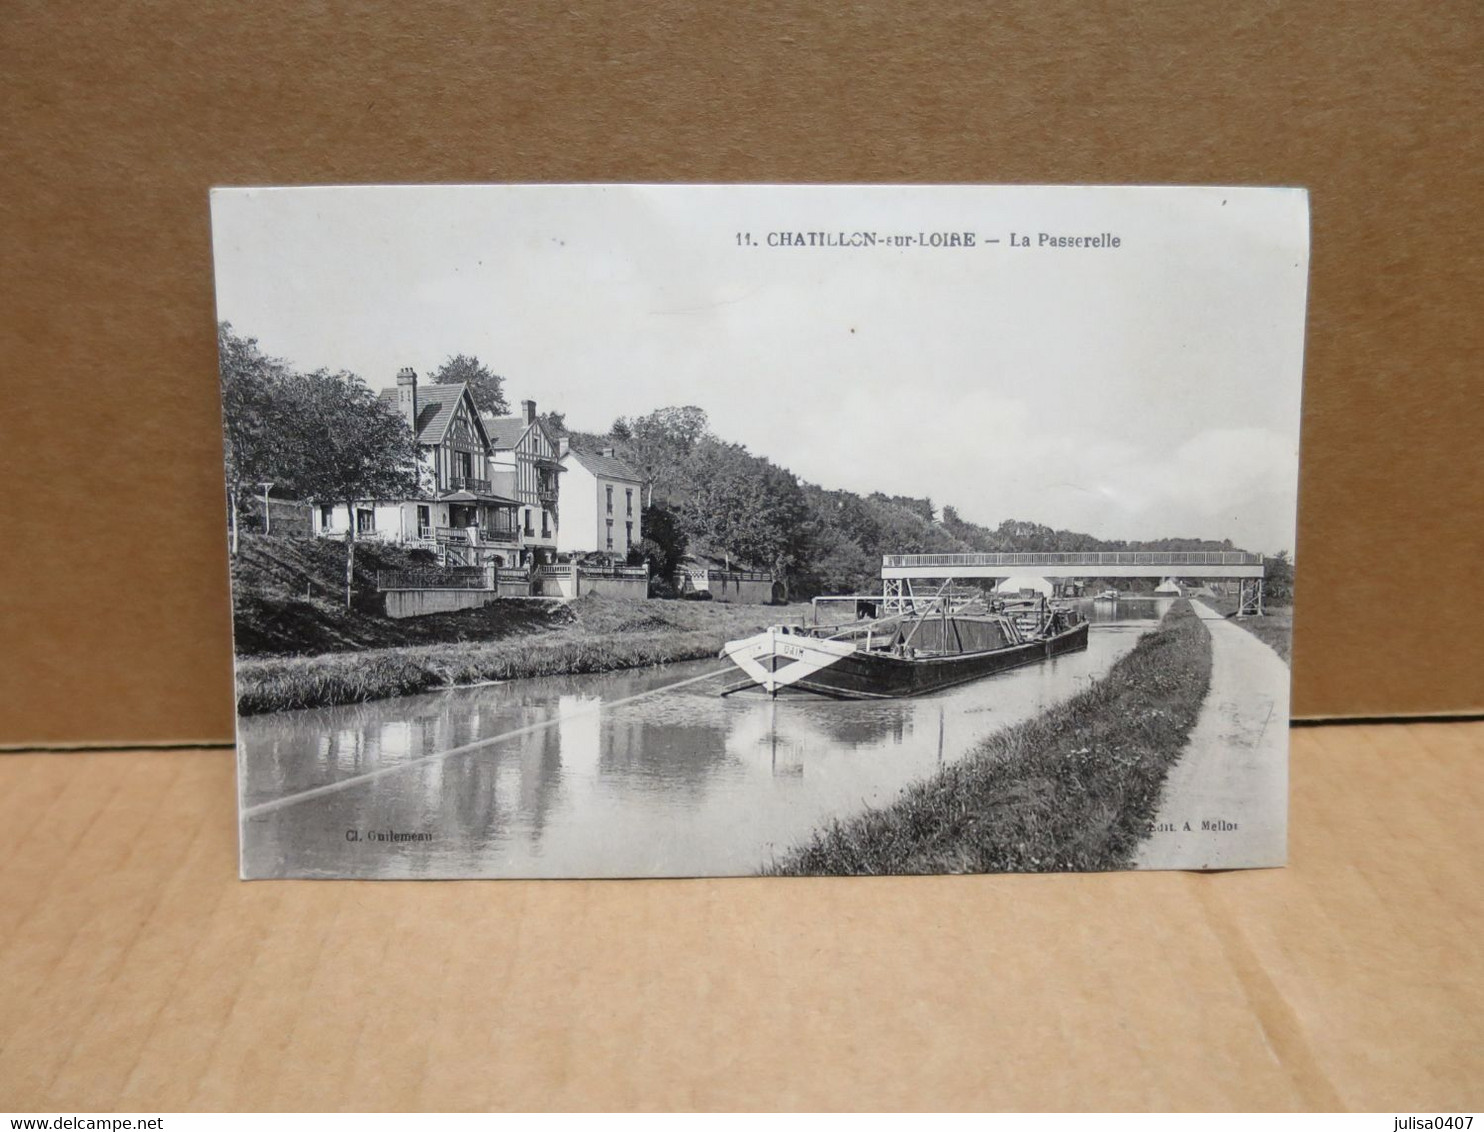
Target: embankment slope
[(1074, 789)]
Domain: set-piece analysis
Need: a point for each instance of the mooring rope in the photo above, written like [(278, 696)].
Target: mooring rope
[(439, 756)]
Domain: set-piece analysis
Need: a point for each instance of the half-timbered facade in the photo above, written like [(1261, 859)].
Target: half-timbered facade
[(525, 465)]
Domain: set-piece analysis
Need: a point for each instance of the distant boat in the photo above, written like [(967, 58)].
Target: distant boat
[(908, 654)]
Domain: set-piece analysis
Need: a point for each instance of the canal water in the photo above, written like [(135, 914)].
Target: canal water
[(641, 773)]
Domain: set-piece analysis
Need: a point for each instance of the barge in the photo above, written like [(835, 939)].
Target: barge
[(908, 654)]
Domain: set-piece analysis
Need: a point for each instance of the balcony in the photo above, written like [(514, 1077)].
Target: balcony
[(478, 536), (469, 483)]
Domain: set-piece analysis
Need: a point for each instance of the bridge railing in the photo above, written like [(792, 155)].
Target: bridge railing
[(613, 571), (564, 570), (1078, 558)]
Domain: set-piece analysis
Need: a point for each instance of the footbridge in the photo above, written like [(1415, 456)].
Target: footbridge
[(899, 571)]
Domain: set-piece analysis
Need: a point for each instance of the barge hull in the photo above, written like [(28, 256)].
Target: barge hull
[(874, 676)]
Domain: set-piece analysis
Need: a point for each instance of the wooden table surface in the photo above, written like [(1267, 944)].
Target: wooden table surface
[(139, 974)]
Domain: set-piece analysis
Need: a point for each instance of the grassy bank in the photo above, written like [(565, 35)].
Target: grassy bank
[(1073, 789), (288, 599), (1274, 628), (592, 634)]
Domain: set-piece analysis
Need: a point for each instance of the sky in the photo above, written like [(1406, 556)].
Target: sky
[(1141, 391)]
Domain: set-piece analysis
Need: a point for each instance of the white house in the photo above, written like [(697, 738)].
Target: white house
[(602, 503), (457, 508)]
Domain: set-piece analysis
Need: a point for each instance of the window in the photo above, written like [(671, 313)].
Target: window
[(628, 536), (610, 534), (545, 525), (326, 515), (365, 521), (628, 495), (530, 530), (424, 523), (609, 489)]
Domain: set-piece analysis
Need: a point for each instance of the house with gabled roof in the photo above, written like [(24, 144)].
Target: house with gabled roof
[(602, 502), (457, 510), (525, 466)]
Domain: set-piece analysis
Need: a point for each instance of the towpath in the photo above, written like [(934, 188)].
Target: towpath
[(1225, 803)]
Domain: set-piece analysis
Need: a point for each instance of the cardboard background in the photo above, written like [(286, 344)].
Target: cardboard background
[(137, 974), (114, 622)]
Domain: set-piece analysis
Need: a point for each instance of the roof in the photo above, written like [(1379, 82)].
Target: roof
[(717, 562), (435, 408), (610, 466), (463, 495), (505, 432)]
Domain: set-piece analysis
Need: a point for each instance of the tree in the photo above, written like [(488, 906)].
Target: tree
[(258, 444), (659, 443), (923, 508), (486, 387), (1278, 578), (744, 506), (903, 525), (834, 561), (662, 541), (355, 447), (556, 423)]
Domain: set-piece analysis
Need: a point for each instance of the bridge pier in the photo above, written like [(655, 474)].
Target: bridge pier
[(1249, 597)]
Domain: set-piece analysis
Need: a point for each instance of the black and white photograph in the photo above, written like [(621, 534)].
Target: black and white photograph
[(733, 530)]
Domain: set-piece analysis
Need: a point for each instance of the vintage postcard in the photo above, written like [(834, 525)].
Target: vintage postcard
[(715, 530)]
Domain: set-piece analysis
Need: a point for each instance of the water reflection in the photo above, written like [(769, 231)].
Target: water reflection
[(1125, 609), (612, 775)]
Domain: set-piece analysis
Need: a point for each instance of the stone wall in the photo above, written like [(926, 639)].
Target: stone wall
[(636, 589), (734, 588), (568, 582), (418, 603)]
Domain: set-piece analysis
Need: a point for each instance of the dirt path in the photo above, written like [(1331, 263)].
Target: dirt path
[(1224, 803)]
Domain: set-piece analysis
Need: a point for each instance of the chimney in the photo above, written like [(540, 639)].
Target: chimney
[(564, 445), (607, 452), (407, 396), (528, 410)]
